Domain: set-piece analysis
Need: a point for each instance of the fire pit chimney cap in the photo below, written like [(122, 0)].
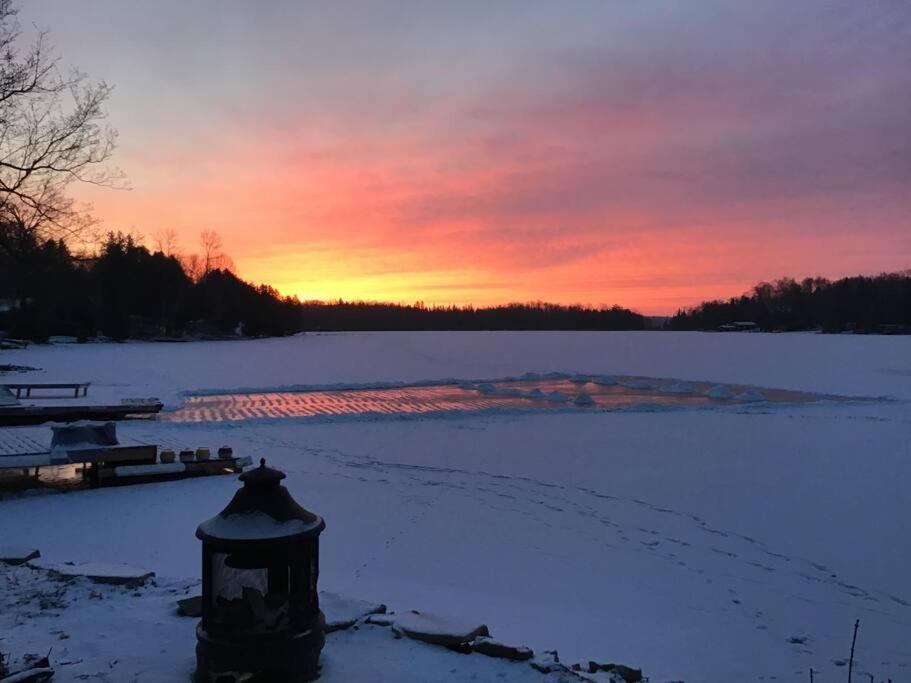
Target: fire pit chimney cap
[(262, 475), (262, 509)]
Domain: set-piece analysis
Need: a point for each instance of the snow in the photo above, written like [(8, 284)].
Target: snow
[(342, 612), (699, 545)]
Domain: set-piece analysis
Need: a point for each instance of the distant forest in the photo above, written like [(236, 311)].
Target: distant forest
[(127, 291), (124, 290), (880, 304), (531, 316)]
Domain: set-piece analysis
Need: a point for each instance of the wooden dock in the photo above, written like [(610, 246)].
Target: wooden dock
[(16, 415)]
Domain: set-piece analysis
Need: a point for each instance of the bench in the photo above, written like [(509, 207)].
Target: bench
[(77, 387)]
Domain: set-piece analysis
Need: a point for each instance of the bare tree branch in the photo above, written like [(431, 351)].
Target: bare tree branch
[(52, 133)]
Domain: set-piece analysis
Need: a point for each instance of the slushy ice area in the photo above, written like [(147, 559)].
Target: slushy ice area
[(527, 393)]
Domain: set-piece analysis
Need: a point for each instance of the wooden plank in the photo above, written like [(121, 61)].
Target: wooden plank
[(30, 415)]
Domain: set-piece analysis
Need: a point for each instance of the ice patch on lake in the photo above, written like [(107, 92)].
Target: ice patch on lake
[(605, 380), (721, 392), (750, 396), (455, 397), (636, 384), (678, 388)]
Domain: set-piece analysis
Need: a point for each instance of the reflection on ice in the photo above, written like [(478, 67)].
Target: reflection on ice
[(531, 392)]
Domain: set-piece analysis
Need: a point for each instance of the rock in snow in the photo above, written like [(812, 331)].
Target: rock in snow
[(11, 554), (627, 674), (439, 630), (380, 619), (548, 662), (342, 613), (38, 675), (494, 648), (190, 607), (98, 572)]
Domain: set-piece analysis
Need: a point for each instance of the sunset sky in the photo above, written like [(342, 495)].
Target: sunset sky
[(645, 153)]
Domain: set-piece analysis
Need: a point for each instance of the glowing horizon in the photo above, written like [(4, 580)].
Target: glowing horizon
[(650, 155)]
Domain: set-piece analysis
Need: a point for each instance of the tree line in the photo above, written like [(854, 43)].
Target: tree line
[(880, 304), (127, 291), (352, 316)]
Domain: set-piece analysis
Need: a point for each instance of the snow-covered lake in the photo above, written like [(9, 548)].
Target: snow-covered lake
[(730, 542)]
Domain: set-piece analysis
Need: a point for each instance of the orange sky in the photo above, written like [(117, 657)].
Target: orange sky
[(605, 153)]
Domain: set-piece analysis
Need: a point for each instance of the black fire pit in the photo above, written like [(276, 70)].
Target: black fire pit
[(260, 564)]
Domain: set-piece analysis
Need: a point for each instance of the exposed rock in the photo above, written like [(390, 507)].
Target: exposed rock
[(118, 574), (17, 554), (438, 630), (380, 619), (342, 613), (494, 648), (190, 607), (30, 668), (461, 648), (38, 675), (625, 673)]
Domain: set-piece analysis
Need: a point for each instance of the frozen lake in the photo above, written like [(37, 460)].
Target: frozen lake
[(711, 539)]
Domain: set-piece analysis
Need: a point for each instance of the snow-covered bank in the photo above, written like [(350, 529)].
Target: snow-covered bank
[(134, 633), (705, 546)]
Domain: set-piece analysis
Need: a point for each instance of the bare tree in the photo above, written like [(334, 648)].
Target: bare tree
[(192, 266), (213, 256), (167, 242), (211, 244), (52, 134)]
